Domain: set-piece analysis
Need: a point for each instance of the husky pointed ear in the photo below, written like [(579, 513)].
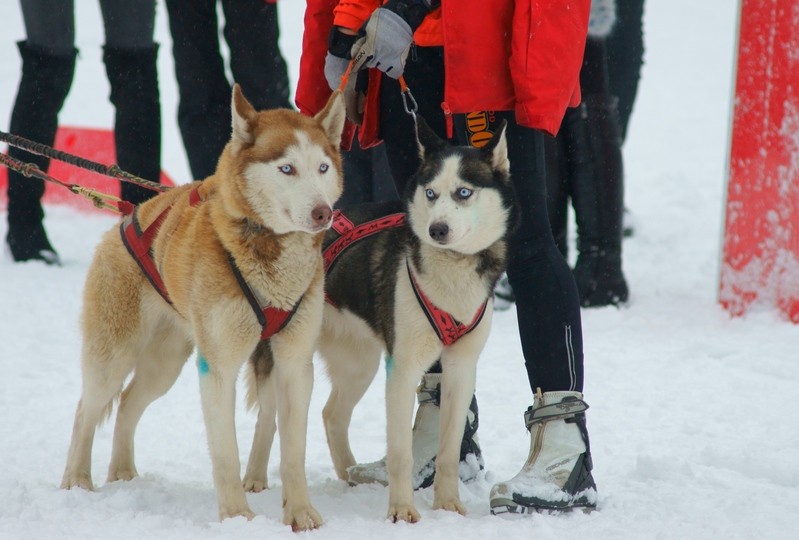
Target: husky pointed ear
[(496, 150), (427, 139), (243, 113), (332, 117)]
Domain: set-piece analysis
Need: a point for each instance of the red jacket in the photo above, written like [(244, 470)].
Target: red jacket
[(520, 55)]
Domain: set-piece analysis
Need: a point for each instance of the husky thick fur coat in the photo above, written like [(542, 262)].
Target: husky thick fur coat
[(265, 211)]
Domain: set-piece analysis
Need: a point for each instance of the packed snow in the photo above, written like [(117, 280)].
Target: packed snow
[(691, 425)]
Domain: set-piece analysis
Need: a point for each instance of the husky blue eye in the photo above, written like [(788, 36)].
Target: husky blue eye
[(287, 169), (465, 193), (323, 167), (430, 194)]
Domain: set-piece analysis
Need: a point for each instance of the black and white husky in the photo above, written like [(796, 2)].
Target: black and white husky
[(413, 279)]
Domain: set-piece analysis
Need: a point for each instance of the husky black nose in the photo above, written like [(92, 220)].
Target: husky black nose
[(321, 214), (439, 231)]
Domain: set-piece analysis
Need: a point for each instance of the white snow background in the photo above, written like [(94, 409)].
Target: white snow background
[(692, 424)]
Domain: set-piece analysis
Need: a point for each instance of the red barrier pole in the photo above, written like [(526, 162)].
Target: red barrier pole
[(760, 255)]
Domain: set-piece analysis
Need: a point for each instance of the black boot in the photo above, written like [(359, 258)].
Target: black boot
[(598, 198), (137, 127), (45, 83)]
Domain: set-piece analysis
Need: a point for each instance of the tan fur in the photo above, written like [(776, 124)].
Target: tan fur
[(129, 328)]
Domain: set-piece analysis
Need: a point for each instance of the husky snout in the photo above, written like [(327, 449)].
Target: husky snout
[(321, 215), (439, 232)]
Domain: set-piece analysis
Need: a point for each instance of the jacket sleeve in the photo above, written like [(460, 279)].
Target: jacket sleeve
[(312, 89), (547, 46), (353, 13)]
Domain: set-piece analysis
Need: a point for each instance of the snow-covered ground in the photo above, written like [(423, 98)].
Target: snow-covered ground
[(691, 424)]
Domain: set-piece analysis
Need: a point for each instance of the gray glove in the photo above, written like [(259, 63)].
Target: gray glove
[(353, 100), (383, 43), (334, 70)]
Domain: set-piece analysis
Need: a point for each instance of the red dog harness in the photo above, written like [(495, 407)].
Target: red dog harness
[(448, 329), (139, 244)]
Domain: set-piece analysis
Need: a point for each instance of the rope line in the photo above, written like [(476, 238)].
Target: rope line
[(113, 170)]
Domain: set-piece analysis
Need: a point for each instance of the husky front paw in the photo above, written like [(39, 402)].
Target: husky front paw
[(77, 480), (302, 519), (122, 474), (403, 512), (225, 513), (450, 505), (254, 484)]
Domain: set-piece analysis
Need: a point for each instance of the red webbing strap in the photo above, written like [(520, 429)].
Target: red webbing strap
[(139, 244), (351, 233), (276, 320), (272, 319), (448, 329)]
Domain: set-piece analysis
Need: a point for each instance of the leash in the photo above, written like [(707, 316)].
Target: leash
[(100, 200), (408, 101)]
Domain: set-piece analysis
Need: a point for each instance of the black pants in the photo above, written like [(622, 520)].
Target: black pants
[(50, 24), (547, 304), (625, 48), (251, 32), (48, 65)]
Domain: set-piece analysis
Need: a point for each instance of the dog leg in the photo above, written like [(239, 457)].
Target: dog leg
[(158, 367), (457, 386), (218, 393), (102, 381), (293, 374), (265, 428), (400, 398), (351, 367)]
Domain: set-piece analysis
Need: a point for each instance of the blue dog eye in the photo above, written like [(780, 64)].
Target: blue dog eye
[(287, 169), (465, 193), (323, 167), (430, 194)]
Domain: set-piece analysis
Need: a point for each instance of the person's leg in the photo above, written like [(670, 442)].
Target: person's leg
[(252, 32), (625, 47), (597, 181), (130, 55), (204, 91), (557, 473), (48, 64)]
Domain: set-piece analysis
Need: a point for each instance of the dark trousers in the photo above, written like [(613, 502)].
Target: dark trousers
[(547, 304), (625, 49), (48, 56), (251, 32)]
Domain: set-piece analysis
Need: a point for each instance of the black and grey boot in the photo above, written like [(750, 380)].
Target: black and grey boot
[(425, 443), (46, 80), (133, 77), (597, 190), (557, 473)]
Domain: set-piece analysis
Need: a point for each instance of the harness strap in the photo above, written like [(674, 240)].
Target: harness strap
[(350, 233), (448, 329), (272, 319), (139, 244)]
